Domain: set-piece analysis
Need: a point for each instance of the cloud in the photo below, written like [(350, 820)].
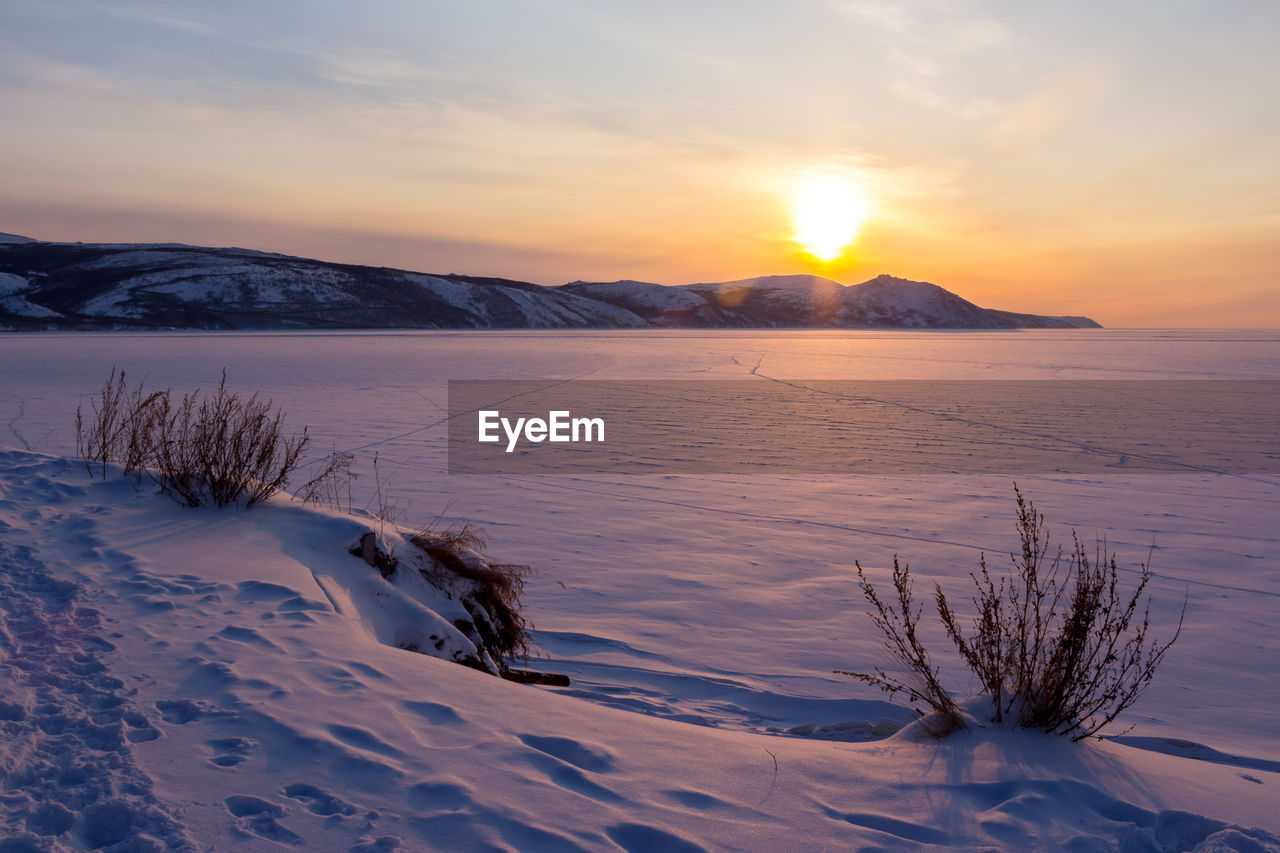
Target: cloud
[(931, 43), (74, 222), (1054, 103)]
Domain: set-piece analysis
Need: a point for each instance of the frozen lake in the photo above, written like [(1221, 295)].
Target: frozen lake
[(728, 600)]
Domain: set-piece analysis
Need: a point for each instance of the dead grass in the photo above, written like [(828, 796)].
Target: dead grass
[(120, 428), (330, 485), (498, 587)]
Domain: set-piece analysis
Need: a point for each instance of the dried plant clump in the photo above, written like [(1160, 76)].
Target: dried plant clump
[(452, 560), (498, 588), (459, 535), (222, 447), (1056, 645), (120, 427), (218, 448)]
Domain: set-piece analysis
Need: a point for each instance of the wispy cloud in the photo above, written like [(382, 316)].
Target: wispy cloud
[(1051, 104), (931, 44)]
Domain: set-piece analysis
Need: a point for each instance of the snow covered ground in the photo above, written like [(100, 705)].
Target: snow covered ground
[(183, 676)]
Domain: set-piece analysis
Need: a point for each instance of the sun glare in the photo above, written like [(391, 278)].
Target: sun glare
[(828, 210)]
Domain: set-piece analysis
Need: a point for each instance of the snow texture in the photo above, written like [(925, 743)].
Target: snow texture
[(228, 680)]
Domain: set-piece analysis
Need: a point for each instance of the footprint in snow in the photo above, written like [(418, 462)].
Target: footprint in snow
[(697, 800), (318, 801), (255, 591), (906, 830), (638, 838), (434, 713), (50, 818), (563, 760), (179, 712), (590, 757), (364, 740), (570, 778), (230, 751), (139, 728), (76, 718), (256, 816), (298, 604), (237, 634), (439, 796)]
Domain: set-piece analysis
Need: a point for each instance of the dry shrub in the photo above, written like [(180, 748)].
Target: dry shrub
[(382, 504), (331, 484), (898, 623), (217, 449), (1056, 645), (120, 429), (498, 587), (457, 535)]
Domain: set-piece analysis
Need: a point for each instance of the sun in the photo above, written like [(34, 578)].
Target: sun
[(827, 210)]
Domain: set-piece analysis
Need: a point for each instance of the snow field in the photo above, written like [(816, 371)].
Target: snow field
[(696, 615)]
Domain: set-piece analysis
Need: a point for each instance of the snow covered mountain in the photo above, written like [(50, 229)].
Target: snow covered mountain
[(155, 285), (813, 302), (63, 285)]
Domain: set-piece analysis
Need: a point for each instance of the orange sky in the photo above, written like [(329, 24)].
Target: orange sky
[(1084, 160)]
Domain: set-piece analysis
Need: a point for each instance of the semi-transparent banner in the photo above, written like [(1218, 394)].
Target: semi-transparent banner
[(863, 427)]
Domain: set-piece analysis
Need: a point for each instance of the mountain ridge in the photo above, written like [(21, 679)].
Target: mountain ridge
[(46, 285)]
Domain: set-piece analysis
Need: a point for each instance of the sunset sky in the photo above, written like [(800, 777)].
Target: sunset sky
[(1111, 159)]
